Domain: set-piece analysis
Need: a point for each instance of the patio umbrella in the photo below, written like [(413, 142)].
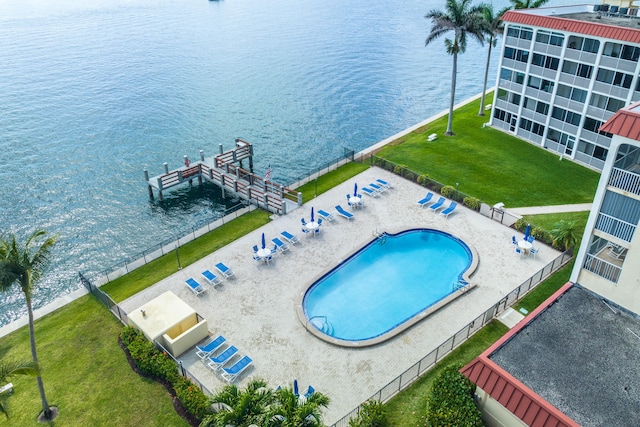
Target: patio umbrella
[(355, 189), (527, 232), (295, 387), (312, 214), (264, 244)]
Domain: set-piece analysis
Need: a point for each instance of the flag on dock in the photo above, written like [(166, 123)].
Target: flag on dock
[(267, 176)]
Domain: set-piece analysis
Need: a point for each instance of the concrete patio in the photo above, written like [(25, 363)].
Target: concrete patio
[(256, 312)]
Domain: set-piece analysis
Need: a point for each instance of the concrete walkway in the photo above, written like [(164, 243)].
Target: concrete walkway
[(537, 210)]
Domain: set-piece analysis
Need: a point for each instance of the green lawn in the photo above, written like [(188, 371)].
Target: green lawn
[(547, 221), (409, 407), (85, 373), (492, 165)]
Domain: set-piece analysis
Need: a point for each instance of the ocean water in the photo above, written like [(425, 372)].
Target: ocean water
[(92, 93)]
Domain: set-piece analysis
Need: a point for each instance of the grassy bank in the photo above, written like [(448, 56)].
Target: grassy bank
[(85, 373), (491, 165)]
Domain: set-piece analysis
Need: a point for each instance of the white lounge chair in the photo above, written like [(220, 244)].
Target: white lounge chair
[(449, 210), (226, 272), (231, 373), (343, 213), (290, 237), (437, 205), (280, 245), (370, 192), (384, 183), (205, 351), (211, 278), (195, 287)]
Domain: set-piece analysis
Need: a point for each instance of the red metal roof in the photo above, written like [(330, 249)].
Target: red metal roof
[(573, 26), (625, 122), (527, 405)]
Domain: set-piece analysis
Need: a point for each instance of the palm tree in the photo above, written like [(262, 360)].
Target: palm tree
[(566, 234), (239, 408), (24, 265), (463, 19), (9, 369), (493, 28), (527, 4), (289, 410)]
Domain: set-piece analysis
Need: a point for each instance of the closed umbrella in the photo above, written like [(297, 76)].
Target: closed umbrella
[(527, 232), (312, 219), (355, 189), (264, 243), (295, 387)]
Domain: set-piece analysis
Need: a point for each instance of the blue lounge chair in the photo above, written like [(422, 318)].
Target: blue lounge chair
[(195, 287), (437, 205), (326, 215), (226, 272), (280, 245), (370, 192), (231, 373), (205, 351), (426, 199), (289, 237), (343, 213), (219, 361), (384, 183), (378, 188), (211, 278), (449, 210), (309, 392)]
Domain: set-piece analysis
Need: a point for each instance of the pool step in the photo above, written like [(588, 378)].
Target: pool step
[(321, 323)]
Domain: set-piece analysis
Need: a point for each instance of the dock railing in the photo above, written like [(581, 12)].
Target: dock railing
[(427, 362)]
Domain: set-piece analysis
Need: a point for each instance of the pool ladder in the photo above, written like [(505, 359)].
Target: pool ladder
[(382, 236), (322, 323)]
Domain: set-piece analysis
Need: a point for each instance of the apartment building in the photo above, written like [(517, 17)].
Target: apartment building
[(564, 71)]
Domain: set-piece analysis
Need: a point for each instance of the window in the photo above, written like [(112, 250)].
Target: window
[(592, 150), (535, 105), (531, 126), (566, 116), (520, 32), (576, 69), (517, 54), (546, 37), (593, 125), (623, 51), (505, 95), (606, 103), (615, 78), (542, 84), (563, 139), (584, 44), (505, 74), (545, 61), (572, 93)]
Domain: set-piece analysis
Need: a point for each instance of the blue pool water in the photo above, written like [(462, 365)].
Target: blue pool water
[(387, 283)]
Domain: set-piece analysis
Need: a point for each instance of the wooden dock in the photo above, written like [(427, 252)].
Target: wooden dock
[(226, 171)]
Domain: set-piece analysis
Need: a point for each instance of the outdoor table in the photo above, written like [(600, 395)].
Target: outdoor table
[(355, 201), (525, 245)]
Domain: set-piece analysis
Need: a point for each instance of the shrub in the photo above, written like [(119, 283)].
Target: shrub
[(424, 180), (450, 402), (520, 225), (471, 203), (372, 414), (448, 191), (192, 397)]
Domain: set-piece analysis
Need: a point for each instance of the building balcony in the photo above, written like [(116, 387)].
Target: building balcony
[(615, 227), (602, 267), (626, 180)]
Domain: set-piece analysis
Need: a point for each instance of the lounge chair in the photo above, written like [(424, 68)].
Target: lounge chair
[(219, 361), (226, 272), (615, 251), (289, 237), (280, 245), (426, 199), (211, 278), (343, 213), (205, 351), (326, 215), (195, 287), (378, 188), (370, 192), (449, 210), (309, 392), (384, 183), (437, 205), (231, 373)]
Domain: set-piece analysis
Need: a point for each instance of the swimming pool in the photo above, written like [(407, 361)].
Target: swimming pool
[(387, 286)]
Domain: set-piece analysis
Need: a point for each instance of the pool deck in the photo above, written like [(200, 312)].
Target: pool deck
[(256, 312)]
